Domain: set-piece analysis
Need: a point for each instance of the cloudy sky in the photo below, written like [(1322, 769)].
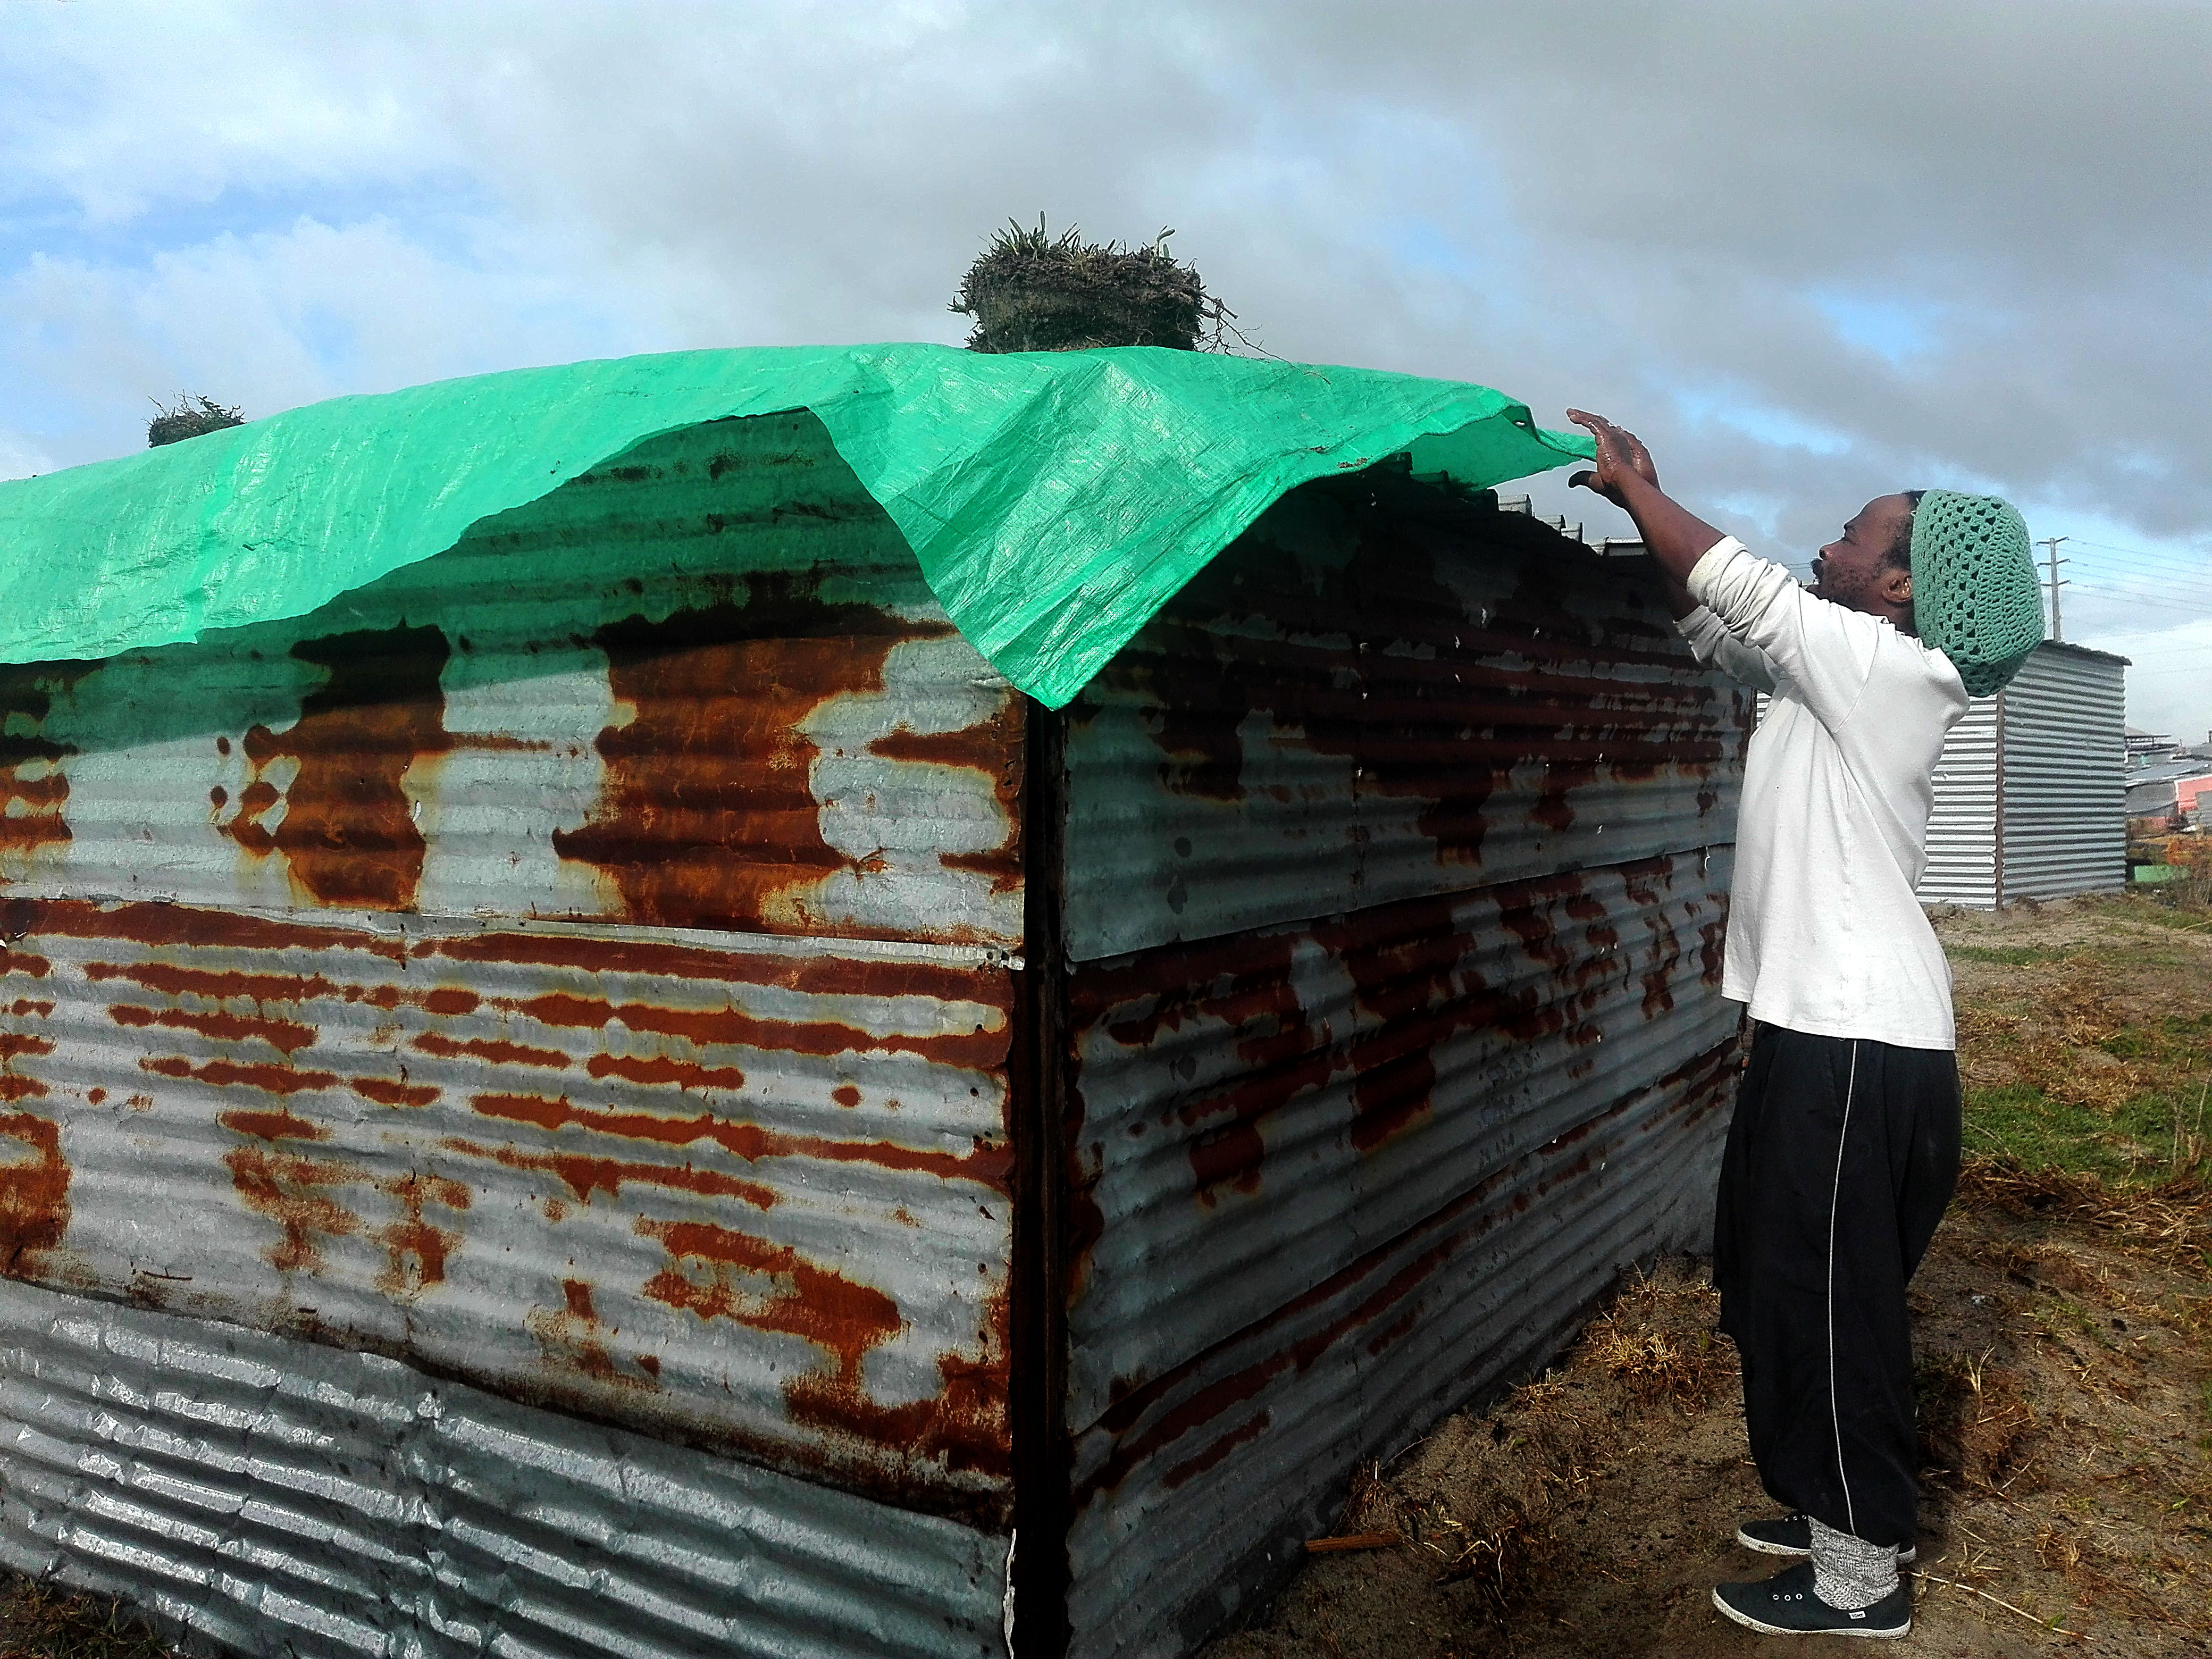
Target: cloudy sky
[(1813, 252)]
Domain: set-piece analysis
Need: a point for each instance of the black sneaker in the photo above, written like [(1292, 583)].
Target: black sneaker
[(1792, 1535), (1784, 1605)]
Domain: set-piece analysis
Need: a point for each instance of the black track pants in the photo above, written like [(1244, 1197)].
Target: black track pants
[(1840, 1159)]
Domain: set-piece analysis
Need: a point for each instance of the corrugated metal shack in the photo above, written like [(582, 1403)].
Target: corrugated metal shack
[(2030, 796), (619, 1088)]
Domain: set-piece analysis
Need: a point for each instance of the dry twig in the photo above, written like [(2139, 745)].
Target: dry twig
[(2052, 1625)]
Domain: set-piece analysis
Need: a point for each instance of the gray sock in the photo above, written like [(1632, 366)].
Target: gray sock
[(1848, 1572)]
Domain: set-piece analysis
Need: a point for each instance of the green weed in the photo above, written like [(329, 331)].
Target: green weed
[(2137, 1144), (2012, 955)]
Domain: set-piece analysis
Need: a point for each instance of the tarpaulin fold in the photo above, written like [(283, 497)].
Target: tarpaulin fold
[(1054, 500)]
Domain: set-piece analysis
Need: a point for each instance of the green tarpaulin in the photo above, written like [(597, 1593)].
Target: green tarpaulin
[(1056, 501)]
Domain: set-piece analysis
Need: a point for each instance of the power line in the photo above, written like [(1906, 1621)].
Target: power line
[(2145, 553), (2136, 593), (2057, 623), (2148, 587)]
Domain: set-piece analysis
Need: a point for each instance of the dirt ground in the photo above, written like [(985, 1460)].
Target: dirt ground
[(2064, 1331)]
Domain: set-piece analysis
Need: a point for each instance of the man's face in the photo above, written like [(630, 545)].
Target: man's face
[(1854, 570)]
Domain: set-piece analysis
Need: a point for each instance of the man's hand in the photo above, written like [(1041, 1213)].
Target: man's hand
[(1620, 453), (1625, 476)]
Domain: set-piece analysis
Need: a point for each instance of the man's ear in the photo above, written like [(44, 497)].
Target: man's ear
[(1897, 586)]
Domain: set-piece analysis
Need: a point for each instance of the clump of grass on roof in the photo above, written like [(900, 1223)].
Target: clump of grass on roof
[(1033, 291), (191, 418)]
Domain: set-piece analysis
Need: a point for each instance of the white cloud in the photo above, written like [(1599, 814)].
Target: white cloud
[(2169, 675), (20, 458)]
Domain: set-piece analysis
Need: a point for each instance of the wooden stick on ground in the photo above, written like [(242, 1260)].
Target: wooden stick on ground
[(1356, 1540)]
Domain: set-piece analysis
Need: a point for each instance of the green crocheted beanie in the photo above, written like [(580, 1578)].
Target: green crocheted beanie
[(1975, 595)]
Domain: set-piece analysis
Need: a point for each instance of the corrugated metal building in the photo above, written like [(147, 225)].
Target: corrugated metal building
[(644, 1100), (2030, 798)]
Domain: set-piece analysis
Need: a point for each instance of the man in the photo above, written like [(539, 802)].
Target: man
[(1845, 1145)]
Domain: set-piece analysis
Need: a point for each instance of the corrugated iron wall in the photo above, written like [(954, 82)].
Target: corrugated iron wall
[(2030, 795), (752, 1195), (1962, 825), (1397, 853), (2064, 770), (580, 965), (261, 1494)]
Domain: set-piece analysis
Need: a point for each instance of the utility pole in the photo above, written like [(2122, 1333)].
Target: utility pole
[(2057, 628)]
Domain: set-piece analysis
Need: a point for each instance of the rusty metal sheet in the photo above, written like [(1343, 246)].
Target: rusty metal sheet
[(1382, 693), (272, 1497), (743, 1191), (1193, 1491), (1256, 1112), (1398, 851), (701, 685), (1331, 1180)]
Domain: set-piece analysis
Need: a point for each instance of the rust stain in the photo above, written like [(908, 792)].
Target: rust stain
[(987, 1164), (707, 815), (655, 1068), (982, 1048), (994, 748), (26, 1007), (1251, 1429), (385, 1092), (33, 788), (573, 1338), (811, 974), (286, 1036), (499, 1053), (1413, 983), (34, 1206), (158, 925), (347, 833), (585, 1174), (278, 1125), (227, 1073), (1384, 1303), (291, 1190), (718, 1273), (233, 985), (24, 963), (1712, 950), (417, 1251), (1409, 981), (288, 1188)]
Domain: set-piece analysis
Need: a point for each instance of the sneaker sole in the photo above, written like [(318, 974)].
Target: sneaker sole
[(1906, 1557), (1879, 1634)]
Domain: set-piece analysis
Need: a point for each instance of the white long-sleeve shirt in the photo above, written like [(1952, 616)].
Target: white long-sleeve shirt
[(1824, 934)]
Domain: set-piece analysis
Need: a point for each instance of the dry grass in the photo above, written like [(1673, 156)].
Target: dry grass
[(2169, 1223), (192, 417), (1032, 291), (40, 1621)]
